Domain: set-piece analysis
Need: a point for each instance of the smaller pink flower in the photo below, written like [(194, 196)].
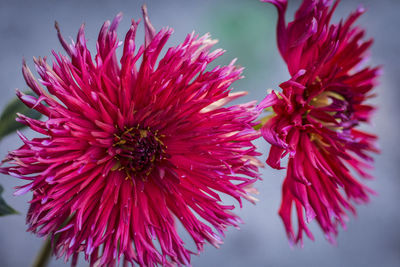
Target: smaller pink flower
[(317, 115)]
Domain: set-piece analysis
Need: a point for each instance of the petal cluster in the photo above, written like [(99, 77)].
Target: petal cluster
[(317, 115), (132, 147)]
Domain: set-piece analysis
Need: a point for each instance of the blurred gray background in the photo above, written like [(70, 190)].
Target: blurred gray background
[(246, 29)]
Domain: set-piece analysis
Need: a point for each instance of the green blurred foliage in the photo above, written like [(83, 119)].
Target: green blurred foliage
[(246, 30), (5, 209), (8, 124)]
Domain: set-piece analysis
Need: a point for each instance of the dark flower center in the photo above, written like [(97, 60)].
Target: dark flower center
[(138, 150), (330, 108), (337, 106)]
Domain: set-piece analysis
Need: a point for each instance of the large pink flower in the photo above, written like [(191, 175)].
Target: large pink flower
[(128, 149), (317, 114)]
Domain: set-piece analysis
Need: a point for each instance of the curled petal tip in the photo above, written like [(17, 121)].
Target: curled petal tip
[(56, 26), (280, 4), (361, 9), (117, 19), (150, 32)]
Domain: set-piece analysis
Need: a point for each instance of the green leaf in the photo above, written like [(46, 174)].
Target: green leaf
[(5, 209), (8, 124)]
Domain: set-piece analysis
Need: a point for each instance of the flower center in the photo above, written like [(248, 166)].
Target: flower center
[(137, 151), (335, 105), (334, 112), (322, 100)]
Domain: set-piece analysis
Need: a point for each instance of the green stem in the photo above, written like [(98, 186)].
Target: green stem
[(43, 257)]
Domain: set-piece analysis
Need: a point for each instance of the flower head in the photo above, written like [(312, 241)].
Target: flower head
[(317, 114), (129, 149)]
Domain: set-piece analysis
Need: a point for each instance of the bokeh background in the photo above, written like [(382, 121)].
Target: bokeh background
[(246, 29)]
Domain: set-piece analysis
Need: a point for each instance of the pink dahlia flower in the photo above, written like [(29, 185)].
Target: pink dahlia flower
[(130, 148), (317, 115)]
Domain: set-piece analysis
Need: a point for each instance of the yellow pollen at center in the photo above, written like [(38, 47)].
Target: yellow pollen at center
[(137, 151)]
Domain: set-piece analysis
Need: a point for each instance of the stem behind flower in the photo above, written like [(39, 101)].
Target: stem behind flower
[(42, 259)]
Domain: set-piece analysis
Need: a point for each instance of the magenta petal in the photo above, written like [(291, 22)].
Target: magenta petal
[(269, 132), (281, 5), (274, 157)]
